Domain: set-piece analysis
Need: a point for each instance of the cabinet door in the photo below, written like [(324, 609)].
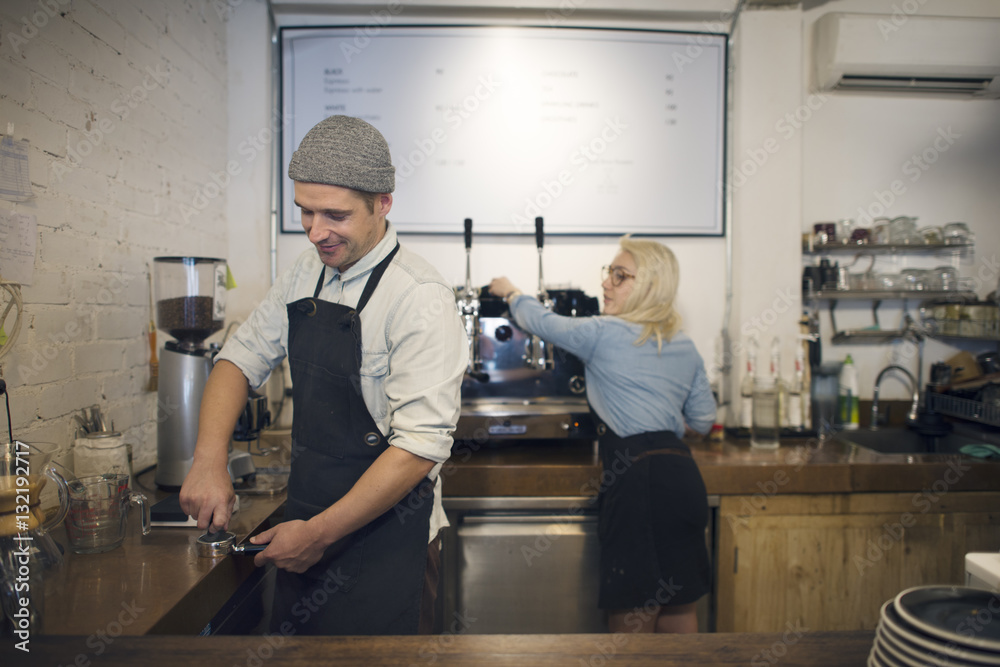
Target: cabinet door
[(830, 562)]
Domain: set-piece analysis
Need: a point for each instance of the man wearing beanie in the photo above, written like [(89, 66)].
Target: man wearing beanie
[(377, 353)]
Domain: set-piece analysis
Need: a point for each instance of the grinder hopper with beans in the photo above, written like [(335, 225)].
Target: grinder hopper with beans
[(190, 295)]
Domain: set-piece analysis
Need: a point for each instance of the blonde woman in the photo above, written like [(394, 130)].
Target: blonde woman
[(646, 385)]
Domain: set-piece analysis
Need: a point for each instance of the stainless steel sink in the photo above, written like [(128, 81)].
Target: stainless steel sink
[(901, 440)]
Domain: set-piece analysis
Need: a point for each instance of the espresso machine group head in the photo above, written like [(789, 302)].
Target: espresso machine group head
[(190, 307), (519, 386), (467, 300)]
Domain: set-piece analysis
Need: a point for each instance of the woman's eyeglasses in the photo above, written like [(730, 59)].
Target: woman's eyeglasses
[(617, 274)]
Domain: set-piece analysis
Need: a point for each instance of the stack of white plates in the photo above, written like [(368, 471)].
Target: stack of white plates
[(938, 625)]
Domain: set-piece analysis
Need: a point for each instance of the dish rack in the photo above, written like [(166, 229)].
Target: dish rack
[(964, 408)]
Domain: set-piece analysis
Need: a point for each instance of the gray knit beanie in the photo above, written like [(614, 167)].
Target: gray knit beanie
[(344, 151)]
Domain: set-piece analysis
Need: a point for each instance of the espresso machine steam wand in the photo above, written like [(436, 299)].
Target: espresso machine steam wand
[(541, 355), (468, 307)]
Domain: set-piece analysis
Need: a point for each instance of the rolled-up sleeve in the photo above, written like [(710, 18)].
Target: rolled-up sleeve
[(428, 356), (699, 408), (260, 343)]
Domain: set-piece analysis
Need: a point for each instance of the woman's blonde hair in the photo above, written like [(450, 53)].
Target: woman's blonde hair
[(651, 302)]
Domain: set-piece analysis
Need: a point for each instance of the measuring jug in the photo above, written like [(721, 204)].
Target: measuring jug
[(98, 509)]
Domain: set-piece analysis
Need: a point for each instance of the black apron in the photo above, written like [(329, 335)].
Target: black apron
[(369, 582), (653, 511)]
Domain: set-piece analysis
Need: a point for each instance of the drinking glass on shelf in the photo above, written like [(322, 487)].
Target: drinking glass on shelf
[(879, 234), (942, 278), (825, 233), (903, 231), (912, 279), (931, 235), (886, 282), (860, 235), (957, 233), (845, 228)]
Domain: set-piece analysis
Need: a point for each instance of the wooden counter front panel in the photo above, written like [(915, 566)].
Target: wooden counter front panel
[(829, 562)]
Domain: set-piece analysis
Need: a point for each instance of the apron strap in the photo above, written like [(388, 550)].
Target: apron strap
[(319, 283), (373, 279)]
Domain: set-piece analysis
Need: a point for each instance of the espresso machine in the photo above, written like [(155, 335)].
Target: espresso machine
[(190, 307), (518, 386)]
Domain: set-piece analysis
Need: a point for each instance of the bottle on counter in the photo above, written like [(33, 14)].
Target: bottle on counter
[(847, 401), (779, 383), (746, 386), (766, 428), (797, 395)]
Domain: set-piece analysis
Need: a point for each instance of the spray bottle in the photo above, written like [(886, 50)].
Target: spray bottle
[(847, 403), (746, 386)]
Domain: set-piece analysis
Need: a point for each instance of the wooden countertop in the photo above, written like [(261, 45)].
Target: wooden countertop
[(158, 585), (798, 647), (155, 583), (729, 467)]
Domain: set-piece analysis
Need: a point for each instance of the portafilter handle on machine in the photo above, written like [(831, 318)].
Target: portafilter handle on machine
[(541, 355), (468, 307)]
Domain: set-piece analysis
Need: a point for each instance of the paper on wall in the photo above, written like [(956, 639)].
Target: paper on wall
[(15, 181), (18, 232)]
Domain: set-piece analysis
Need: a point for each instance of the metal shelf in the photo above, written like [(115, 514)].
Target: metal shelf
[(937, 334), (878, 295), (867, 335), (883, 247), (964, 408)]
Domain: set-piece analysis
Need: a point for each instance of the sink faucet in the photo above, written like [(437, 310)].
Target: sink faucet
[(914, 389)]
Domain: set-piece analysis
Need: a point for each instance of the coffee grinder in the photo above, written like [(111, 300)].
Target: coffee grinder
[(190, 307)]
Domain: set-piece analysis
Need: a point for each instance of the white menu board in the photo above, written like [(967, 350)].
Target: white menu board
[(596, 131)]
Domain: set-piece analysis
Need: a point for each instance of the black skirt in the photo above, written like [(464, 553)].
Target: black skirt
[(651, 526)]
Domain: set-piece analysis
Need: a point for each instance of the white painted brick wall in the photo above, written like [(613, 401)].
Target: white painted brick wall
[(124, 103), (97, 357)]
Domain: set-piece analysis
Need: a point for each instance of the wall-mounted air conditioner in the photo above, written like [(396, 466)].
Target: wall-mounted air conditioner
[(908, 54)]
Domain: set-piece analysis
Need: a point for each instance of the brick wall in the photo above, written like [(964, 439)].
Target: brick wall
[(124, 105)]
